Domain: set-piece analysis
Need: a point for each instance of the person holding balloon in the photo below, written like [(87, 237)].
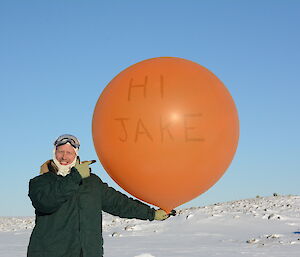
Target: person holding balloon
[(68, 200)]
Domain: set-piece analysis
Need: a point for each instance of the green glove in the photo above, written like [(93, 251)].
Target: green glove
[(83, 168), (162, 215)]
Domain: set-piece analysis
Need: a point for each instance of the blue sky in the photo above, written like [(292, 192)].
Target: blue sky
[(56, 57)]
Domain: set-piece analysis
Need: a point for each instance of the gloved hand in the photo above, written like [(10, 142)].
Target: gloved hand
[(162, 215), (83, 168)]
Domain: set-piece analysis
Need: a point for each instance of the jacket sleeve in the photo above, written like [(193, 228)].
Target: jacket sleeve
[(48, 191), (118, 204)]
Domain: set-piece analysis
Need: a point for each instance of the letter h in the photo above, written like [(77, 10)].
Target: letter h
[(139, 85)]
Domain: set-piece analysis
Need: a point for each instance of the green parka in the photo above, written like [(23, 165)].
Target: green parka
[(69, 217)]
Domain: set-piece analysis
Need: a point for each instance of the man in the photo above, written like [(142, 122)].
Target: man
[(68, 200)]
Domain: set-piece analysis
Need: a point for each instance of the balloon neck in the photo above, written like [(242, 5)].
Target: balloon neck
[(167, 210)]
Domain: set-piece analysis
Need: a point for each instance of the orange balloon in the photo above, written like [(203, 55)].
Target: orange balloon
[(165, 129)]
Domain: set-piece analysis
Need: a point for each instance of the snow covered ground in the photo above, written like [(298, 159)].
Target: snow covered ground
[(264, 226)]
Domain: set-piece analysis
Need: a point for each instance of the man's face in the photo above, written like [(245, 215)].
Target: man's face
[(65, 154)]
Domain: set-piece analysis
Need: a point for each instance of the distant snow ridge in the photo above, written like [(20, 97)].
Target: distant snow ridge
[(277, 207), (8, 224), (284, 208)]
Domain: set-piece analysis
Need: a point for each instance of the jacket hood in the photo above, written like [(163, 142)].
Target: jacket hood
[(48, 166)]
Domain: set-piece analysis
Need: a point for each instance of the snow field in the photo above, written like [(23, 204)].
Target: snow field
[(263, 226)]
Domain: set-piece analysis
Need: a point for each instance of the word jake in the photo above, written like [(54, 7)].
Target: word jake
[(137, 129)]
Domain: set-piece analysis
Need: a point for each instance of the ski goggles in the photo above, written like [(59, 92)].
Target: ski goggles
[(63, 139)]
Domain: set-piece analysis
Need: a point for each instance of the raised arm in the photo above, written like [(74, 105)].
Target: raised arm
[(48, 191)]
